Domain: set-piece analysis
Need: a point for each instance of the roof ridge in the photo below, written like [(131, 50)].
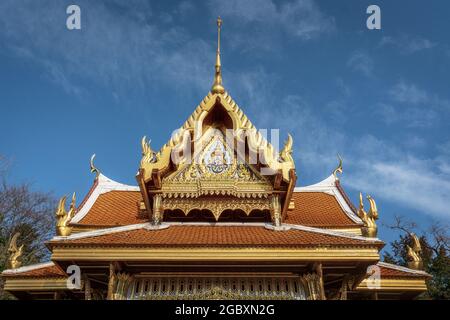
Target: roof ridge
[(149, 226), (29, 267), (402, 268), (333, 233)]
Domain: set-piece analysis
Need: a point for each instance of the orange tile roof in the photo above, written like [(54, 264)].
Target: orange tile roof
[(318, 209), (119, 208), (211, 236), (387, 272), (45, 272), (115, 208)]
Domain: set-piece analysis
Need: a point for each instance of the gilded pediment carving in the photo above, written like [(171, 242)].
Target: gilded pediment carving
[(215, 170)]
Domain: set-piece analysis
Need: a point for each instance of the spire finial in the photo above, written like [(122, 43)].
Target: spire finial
[(217, 85)]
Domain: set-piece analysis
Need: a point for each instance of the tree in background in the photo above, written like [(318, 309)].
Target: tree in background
[(28, 212), (435, 254)]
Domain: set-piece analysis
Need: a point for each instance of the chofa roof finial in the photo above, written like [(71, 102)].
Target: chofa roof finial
[(217, 85), (14, 252), (93, 167), (339, 168)]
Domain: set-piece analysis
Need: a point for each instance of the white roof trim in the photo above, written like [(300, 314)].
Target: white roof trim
[(401, 268), (331, 232), (328, 186), (29, 268), (101, 232), (165, 225), (104, 185)]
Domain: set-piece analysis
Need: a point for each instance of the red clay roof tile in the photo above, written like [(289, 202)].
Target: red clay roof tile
[(45, 272), (115, 208), (191, 235), (318, 209)]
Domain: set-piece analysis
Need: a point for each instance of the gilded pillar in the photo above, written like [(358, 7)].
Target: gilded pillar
[(276, 210), (112, 281), (87, 288), (157, 209), (319, 272)]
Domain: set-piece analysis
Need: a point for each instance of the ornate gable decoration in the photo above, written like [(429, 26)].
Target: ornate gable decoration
[(213, 176), (216, 170)]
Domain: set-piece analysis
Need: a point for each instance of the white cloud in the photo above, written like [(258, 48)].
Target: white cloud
[(266, 19), (413, 106), (408, 93), (412, 117), (408, 44), (412, 182), (388, 170), (361, 62), (119, 47)]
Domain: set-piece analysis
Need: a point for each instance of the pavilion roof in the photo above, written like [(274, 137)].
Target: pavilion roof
[(211, 235), (110, 204)]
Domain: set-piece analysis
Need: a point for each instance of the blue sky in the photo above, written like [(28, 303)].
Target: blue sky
[(380, 98)]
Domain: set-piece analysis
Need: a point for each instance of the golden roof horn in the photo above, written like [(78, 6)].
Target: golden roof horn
[(338, 168), (414, 253), (14, 252), (217, 85), (93, 167)]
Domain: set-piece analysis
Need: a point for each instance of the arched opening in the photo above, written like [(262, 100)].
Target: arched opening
[(207, 216)]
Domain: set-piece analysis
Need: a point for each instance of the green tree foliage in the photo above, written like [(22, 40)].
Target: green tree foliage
[(28, 212), (435, 255)]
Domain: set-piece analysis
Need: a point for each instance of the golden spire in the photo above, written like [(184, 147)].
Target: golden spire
[(217, 85)]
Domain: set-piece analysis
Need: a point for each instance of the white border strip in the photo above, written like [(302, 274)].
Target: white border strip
[(331, 232), (29, 268), (101, 232)]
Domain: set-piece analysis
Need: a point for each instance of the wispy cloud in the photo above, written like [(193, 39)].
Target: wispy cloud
[(266, 19), (412, 105), (119, 46), (389, 170), (361, 62), (418, 184), (412, 117), (408, 44), (408, 93)]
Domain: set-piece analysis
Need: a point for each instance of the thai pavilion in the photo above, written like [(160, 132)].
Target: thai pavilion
[(216, 214)]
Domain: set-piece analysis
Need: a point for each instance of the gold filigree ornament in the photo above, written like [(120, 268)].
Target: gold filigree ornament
[(216, 205), (63, 217), (370, 227), (415, 253), (148, 155), (14, 252)]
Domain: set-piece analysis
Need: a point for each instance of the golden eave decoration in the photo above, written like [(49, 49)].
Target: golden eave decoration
[(370, 227), (414, 253), (14, 252), (161, 161), (63, 216), (282, 161)]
